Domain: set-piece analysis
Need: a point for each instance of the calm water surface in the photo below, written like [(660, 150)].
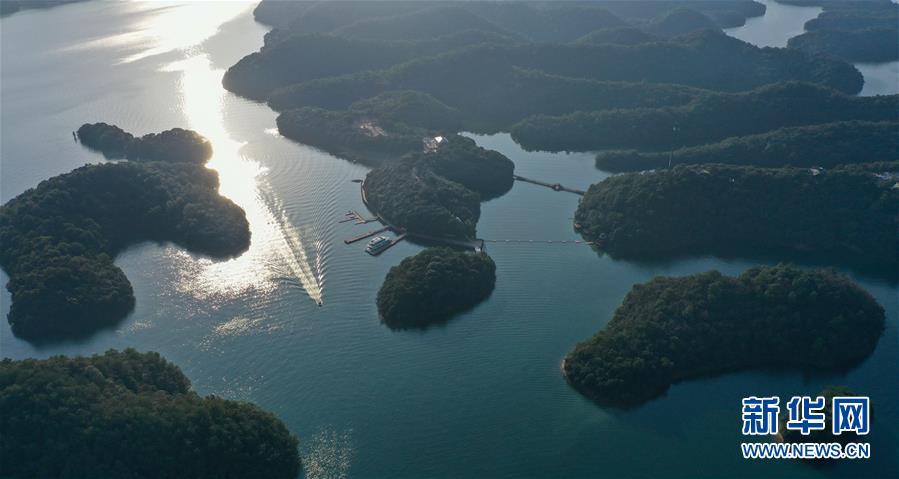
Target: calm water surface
[(782, 22), (779, 23), (480, 396)]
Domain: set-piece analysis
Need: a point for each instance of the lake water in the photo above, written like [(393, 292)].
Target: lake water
[(779, 23), (782, 22), (479, 397)]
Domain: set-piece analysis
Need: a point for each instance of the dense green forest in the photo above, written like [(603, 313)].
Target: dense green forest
[(675, 329), (462, 78), (175, 145), (439, 193), (58, 240), (409, 107), (493, 96), (872, 45), (131, 415), (710, 117), (619, 36), (845, 215), (856, 31), (536, 21), (573, 76), (410, 196), (433, 285), (301, 57), (854, 15), (824, 145), (680, 22), (372, 130), (353, 137)]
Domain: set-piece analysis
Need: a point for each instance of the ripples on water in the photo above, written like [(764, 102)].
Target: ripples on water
[(479, 396)]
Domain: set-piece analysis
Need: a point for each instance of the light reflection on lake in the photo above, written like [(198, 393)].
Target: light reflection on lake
[(779, 23), (880, 78), (278, 250), (478, 397)]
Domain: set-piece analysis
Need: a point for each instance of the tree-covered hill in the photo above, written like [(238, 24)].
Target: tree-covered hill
[(58, 240), (873, 45), (619, 36), (307, 56), (438, 193), (856, 31), (358, 138), (824, 145), (131, 415), (846, 215), (708, 118), (676, 329), (433, 285), (374, 130), (540, 21), (680, 22), (459, 78), (493, 97), (175, 145)]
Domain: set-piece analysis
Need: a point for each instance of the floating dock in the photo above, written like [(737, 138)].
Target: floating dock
[(365, 235)]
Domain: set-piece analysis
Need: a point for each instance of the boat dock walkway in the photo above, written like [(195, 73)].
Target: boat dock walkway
[(477, 244), (552, 186), (357, 218), (365, 235)]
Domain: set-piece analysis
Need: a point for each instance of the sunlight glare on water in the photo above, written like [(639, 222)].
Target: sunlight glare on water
[(278, 250), (167, 26)]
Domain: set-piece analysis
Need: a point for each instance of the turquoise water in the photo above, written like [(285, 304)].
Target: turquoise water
[(479, 397)]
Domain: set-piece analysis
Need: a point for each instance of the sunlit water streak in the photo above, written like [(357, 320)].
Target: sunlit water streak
[(478, 397), (278, 250), (167, 26)]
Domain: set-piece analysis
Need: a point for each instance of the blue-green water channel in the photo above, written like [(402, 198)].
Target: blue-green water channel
[(479, 397)]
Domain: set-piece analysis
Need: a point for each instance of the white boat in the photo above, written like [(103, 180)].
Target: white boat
[(377, 244)]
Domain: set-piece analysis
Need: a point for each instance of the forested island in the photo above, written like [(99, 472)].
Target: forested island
[(175, 145), (710, 117), (856, 31), (374, 130), (479, 80), (823, 145), (846, 215), (58, 240), (438, 193), (873, 45), (129, 414), (676, 329), (497, 64), (433, 285)]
